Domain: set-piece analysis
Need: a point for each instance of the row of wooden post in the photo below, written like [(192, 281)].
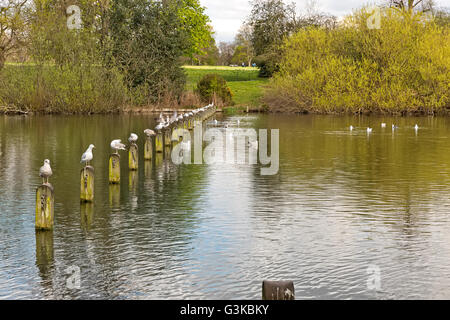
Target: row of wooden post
[(45, 195)]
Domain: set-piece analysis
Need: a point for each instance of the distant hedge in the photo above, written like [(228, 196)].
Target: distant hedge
[(402, 67)]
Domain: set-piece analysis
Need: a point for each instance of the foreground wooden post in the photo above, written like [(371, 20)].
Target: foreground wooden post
[(45, 206), (133, 157), (87, 184), (148, 149), (114, 169), (159, 143), (278, 290)]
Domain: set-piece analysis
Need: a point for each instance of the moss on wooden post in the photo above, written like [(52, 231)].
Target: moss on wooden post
[(148, 149), (114, 169), (278, 290), (45, 207), (133, 157), (159, 143), (87, 184)]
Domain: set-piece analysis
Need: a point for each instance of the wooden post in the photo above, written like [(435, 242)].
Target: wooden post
[(45, 206), (148, 149), (87, 184), (133, 157), (278, 290), (159, 143), (114, 169)]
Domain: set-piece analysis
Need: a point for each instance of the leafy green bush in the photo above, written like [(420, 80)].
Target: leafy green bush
[(402, 67), (213, 87)]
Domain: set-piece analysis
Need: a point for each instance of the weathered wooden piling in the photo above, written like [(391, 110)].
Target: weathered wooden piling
[(159, 146), (278, 290), (133, 157), (45, 207), (148, 149), (87, 184), (114, 169)]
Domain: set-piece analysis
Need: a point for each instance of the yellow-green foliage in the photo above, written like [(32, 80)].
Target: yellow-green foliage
[(402, 67)]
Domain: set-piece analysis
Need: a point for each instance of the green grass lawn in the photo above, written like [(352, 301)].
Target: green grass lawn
[(245, 84)]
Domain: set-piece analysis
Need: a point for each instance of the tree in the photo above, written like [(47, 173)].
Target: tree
[(226, 52), (412, 5), (148, 38), (210, 55), (196, 24), (271, 21), (12, 27), (244, 48)]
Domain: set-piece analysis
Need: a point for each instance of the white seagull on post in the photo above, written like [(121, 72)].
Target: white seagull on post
[(46, 171), (88, 155), (117, 145), (133, 138)]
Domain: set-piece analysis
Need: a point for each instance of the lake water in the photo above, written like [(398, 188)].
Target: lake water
[(348, 216)]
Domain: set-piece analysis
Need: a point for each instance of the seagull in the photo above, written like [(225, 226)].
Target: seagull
[(46, 171), (369, 130), (159, 127), (215, 122), (394, 127), (133, 138), (117, 145), (149, 133), (88, 155), (383, 125), (351, 128), (416, 127)]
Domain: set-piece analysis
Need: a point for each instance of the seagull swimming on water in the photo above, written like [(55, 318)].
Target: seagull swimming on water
[(351, 128), (416, 127), (88, 155), (117, 145), (369, 130), (46, 171)]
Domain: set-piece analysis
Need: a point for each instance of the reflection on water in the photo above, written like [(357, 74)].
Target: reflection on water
[(342, 201)]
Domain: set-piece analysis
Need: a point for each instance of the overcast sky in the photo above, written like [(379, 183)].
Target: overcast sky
[(228, 15)]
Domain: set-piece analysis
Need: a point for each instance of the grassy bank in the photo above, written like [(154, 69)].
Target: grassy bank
[(25, 88), (246, 86)]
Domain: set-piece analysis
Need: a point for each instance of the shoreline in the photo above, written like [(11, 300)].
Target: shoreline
[(227, 111)]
